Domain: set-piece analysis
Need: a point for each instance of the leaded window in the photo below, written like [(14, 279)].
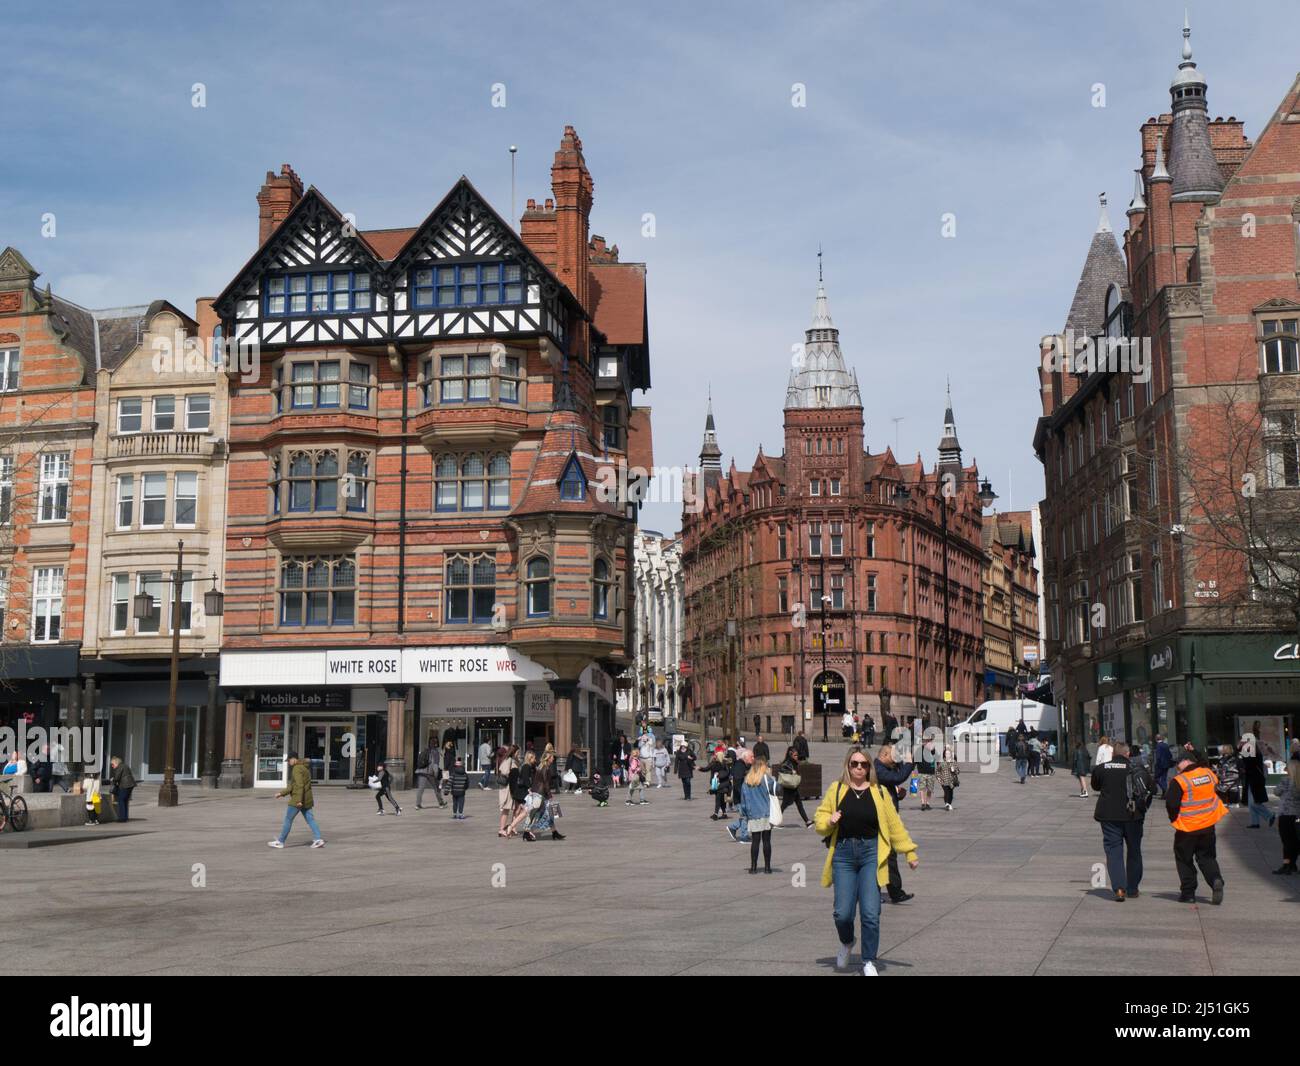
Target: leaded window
[(318, 591), (471, 588)]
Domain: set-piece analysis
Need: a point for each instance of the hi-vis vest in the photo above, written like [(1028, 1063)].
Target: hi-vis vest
[(1201, 806)]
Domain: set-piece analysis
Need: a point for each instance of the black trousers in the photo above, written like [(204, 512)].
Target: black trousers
[(764, 839), (720, 798), (791, 795), (1200, 848), (1286, 829), (947, 793), (686, 788)]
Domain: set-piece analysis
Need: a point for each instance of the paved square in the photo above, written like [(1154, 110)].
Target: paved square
[(1004, 887)]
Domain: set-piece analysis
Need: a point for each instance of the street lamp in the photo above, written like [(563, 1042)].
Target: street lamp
[(142, 608)]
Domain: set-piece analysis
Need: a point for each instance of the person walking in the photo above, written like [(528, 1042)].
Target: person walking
[(300, 802), (743, 759), (949, 776), (1104, 751), (846, 725), (1254, 791), (521, 791), (1163, 761), (1124, 792), (927, 768), (545, 810), (1194, 808), (122, 783), (892, 775), (1035, 755), (382, 783), (761, 750), (684, 764), (719, 769), (427, 776), (1049, 757), (448, 761), (1019, 748), (507, 773), (1288, 794), (94, 799), (801, 745), (635, 780), (486, 758), (862, 830), (662, 763), (459, 785), (868, 733), (759, 788), (1079, 768), (789, 779)]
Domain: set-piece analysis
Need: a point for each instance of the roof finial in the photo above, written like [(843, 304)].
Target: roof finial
[(819, 262), (1103, 225), (1187, 37)]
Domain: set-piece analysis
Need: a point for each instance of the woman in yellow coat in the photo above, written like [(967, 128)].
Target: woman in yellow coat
[(862, 828)]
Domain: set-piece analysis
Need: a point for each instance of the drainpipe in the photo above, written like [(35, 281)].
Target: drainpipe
[(396, 358)]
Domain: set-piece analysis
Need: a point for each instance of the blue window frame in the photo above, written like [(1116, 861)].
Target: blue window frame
[(573, 485), (467, 285), (317, 293), (471, 589)]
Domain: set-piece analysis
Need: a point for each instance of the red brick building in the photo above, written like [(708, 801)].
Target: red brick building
[(1152, 624), (417, 546), (829, 522)]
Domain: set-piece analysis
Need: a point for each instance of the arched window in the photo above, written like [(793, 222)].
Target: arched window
[(444, 473), (538, 593), (358, 481), (499, 482), (472, 472), (600, 573), (471, 590), (472, 482), (319, 591), (300, 490)]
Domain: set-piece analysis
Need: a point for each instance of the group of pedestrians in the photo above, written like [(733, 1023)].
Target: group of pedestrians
[(1033, 755), (526, 797)]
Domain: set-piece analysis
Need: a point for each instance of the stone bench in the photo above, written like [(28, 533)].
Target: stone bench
[(55, 810)]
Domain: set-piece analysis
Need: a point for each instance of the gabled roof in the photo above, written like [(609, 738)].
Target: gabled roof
[(619, 301), (566, 441), (386, 243)]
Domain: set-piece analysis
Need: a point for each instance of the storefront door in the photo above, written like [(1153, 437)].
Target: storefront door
[(325, 749)]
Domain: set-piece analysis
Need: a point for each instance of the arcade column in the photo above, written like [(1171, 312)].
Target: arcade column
[(395, 755), (232, 763), (566, 710)]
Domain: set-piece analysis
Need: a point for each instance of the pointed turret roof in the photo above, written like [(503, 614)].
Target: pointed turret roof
[(710, 453), (1103, 267), (949, 448), (822, 379), (1195, 171)]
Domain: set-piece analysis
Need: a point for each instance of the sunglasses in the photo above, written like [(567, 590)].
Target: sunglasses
[(857, 762)]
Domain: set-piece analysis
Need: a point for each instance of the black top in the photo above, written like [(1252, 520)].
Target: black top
[(858, 818)]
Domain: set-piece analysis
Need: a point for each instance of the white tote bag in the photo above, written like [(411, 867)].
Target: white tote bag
[(570, 778), (774, 813)]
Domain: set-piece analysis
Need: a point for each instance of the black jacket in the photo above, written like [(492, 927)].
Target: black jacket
[(761, 751), (1252, 777), (448, 758), (893, 776), (684, 763), (1110, 782), (801, 746), (121, 777)]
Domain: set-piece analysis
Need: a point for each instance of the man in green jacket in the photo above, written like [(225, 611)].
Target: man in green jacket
[(300, 802)]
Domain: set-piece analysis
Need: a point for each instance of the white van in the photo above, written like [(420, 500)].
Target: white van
[(995, 717)]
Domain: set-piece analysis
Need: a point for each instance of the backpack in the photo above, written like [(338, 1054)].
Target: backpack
[(1138, 790)]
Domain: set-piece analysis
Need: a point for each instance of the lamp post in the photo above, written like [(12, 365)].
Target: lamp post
[(213, 606), (825, 626), (986, 496)]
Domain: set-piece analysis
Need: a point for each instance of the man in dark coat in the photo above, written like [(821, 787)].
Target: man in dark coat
[(761, 750), (893, 777), (1124, 791), (1164, 761), (801, 745), (684, 766)]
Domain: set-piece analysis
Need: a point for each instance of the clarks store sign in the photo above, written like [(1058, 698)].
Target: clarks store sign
[(1287, 651)]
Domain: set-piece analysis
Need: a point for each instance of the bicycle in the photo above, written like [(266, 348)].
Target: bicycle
[(13, 809)]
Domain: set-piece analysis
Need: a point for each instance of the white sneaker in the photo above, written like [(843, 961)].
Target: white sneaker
[(869, 969), (842, 956), (318, 843), (274, 844), (947, 806), (380, 813)]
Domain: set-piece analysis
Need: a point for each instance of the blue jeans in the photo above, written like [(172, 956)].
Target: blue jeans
[(741, 826), (1022, 766), (1117, 837), (853, 875), (1257, 809), (123, 803), (291, 812)]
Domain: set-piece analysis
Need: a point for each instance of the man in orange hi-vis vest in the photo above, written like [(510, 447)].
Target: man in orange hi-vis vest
[(1195, 809)]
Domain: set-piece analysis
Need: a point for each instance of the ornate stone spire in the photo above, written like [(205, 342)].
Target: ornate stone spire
[(949, 448), (1138, 204), (710, 453), (820, 378)]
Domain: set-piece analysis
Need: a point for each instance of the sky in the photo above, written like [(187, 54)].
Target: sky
[(912, 112)]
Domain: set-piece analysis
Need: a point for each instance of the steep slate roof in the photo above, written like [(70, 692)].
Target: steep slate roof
[(619, 301), (386, 243), (77, 326), (1104, 267), (566, 435)]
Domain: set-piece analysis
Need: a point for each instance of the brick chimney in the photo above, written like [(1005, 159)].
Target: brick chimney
[(537, 229), (572, 186), (278, 196)]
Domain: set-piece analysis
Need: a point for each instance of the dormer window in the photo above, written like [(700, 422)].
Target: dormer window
[(317, 294), (573, 485), (467, 285)]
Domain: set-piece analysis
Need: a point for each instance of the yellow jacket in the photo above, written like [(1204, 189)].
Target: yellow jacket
[(893, 834)]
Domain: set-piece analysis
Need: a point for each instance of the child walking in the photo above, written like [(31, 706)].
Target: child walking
[(459, 783), (383, 788)]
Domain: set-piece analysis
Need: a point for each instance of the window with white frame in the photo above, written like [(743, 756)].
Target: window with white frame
[(837, 538), (198, 412), (1280, 345), (125, 500), (814, 539), (1282, 446), (814, 488), (472, 482), (164, 414), (6, 489), (47, 604), (153, 501), (130, 414), (10, 365), (186, 498), (835, 486), (837, 592), (871, 591), (54, 487), (120, 607)]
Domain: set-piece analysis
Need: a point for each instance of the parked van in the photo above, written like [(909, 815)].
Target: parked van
[(997, 716)]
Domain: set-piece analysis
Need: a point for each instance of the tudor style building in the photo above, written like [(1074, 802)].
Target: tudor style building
[(1155, 623), (829, 524), (416, 544)]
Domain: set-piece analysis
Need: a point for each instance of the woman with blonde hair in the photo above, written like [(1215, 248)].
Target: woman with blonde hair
[(755, 806), (862, 828), (521, 789), (1288, 794), (506, 766)]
